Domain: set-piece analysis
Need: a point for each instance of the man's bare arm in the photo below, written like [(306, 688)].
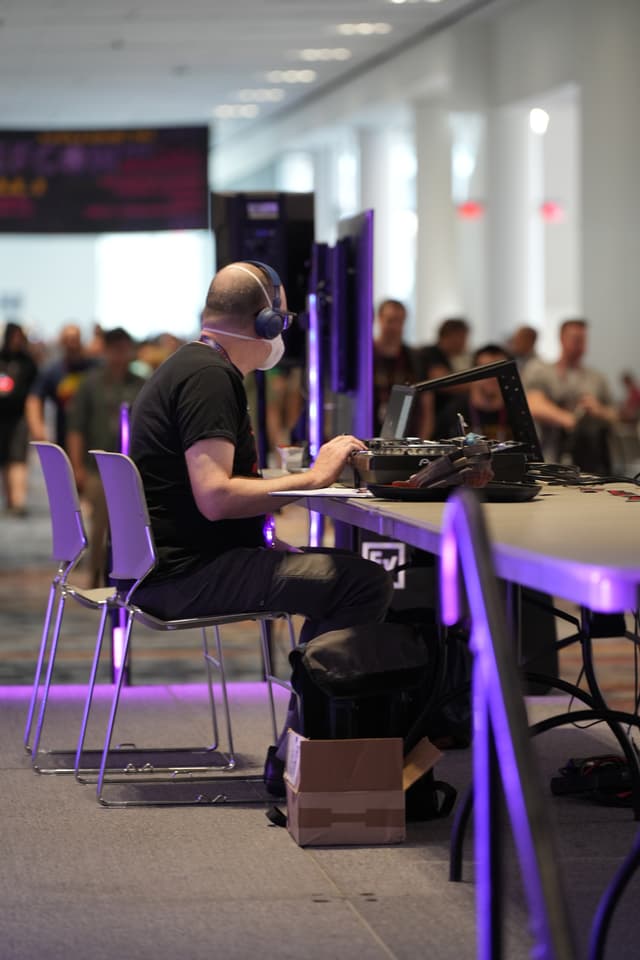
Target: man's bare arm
[(220, 496), (546, 411)]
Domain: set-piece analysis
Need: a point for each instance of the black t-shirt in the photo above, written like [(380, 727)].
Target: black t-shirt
[(194, 395)]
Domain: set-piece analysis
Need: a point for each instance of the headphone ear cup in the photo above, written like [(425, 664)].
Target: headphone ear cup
[(268, 324)]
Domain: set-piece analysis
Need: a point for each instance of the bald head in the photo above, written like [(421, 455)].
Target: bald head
[(236, 294)]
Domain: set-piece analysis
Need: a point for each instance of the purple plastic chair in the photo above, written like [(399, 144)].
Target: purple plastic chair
[(133, 558), (69, 542)]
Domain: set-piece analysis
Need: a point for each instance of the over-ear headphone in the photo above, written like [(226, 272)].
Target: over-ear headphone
[(272, 320)]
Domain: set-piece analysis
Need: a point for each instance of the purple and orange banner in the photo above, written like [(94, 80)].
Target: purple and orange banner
[(104, 181)]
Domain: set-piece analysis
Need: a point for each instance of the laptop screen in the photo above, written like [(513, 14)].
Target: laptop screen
[(394, 426)]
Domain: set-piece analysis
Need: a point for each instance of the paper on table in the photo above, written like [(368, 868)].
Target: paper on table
[(323, 492)]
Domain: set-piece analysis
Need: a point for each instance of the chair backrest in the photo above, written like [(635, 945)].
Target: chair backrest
[(133, 551), (69, 538)]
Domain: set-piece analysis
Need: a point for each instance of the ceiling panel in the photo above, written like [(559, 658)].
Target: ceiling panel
[(115, 62)]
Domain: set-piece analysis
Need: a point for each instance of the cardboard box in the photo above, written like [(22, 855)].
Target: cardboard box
[(350, 791)]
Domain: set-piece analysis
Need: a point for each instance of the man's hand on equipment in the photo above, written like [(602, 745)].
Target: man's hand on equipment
[(332, 458)]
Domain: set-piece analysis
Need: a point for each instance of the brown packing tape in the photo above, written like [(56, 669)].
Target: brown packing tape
[(339, 818), (423, 757)]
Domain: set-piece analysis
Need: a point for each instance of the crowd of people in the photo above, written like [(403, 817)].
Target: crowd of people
[(70, 392), (74, 395), (571, 402)]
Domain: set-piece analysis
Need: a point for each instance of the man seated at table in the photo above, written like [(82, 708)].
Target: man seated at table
[(192, 441)]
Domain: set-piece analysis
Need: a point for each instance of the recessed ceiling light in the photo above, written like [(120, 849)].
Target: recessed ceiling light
[(291, 76), (324, 53), (538, 121), (236, 111), (363, 29), (261, 95)]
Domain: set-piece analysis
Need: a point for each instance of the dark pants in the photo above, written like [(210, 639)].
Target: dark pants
[(332, 589)]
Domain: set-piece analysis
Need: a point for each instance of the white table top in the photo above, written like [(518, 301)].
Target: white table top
[(584, 547)]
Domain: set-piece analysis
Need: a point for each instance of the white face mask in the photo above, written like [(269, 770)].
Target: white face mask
[(275, 356), (276, 346)]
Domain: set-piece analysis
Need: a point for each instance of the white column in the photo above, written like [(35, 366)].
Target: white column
[(610, 193), (294, 172), (376, 193), (508, 219), (436, 292)]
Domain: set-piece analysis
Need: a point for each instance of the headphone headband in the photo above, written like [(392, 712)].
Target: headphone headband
[(271, 320), (275, 280)]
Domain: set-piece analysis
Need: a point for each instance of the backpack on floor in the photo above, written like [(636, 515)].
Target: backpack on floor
[(373, 680)]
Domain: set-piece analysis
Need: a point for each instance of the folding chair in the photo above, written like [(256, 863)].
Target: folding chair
[(133, 557), (69, 541)]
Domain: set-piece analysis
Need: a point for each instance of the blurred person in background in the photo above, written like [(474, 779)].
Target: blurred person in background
[(56, 384), (571, 404), (95, 346), (94, 423), (395, 362), (447, 355), (630, 406), (522, 345), (482, 407), (17, 373), (149, 356)]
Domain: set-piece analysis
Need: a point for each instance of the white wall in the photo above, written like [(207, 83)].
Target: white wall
[(54, 276), (147, 283)]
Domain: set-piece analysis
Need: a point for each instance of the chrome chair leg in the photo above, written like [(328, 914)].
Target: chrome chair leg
[(212, 702), (268, 668), (112, 714), (225, 697), (37, 677), (47, 683), (89, 698), (266, 656)]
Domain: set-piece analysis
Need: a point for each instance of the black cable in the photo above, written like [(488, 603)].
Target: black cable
[(570, 475)]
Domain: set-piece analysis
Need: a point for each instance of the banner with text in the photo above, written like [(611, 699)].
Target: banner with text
[(104, 181)]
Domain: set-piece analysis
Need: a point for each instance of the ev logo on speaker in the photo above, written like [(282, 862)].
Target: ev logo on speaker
[(390, 555)]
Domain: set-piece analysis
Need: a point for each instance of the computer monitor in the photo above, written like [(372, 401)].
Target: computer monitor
[(515, 401), (351, 320)]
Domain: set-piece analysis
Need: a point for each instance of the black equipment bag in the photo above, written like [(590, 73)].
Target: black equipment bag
[(372, 680)]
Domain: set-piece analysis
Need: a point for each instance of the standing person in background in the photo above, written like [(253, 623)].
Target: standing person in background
[(395, 362), (94, 423), (522, 345), (572, 404), (57, 384), (447, 355), (17, 373)]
